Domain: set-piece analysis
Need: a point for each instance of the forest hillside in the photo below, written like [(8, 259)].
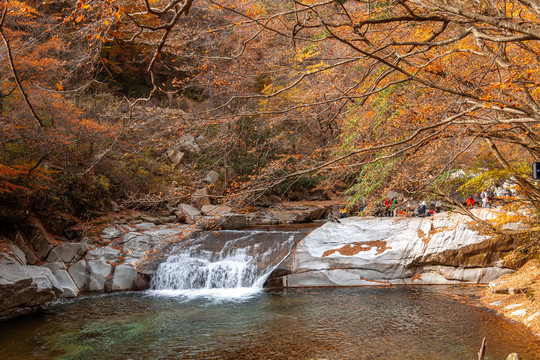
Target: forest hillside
[(142, 104)]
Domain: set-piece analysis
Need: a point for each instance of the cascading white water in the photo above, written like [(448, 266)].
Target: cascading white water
[(225, 265)]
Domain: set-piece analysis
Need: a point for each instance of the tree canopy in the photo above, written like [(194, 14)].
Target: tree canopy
[(288, 96)]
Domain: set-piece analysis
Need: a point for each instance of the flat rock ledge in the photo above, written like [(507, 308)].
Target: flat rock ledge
[(443, 249)]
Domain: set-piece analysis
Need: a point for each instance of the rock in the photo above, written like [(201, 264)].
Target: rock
[(137, 245), (384, 251), (53, 266), (145, 225), (180, 216), (513, 356), (11, 254), (29, 254), (141, 282), (168, 219), (287, 214), (174, 156), (187, 142), (105, 253), (201, 198), (261, 218), (297, 214), (25, 289), (79, 274), (70, 290), (150, 219), (189, 212), (212, 177), (111, 233), (38, 239), (67, 252), (18, 254), (123, 277), (223, 222), (215, 209), (99, 271), (469, 275)]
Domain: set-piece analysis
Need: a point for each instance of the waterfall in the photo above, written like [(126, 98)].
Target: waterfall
[(227, 264)]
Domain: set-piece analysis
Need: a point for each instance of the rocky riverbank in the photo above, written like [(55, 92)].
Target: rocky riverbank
[(117, 253)]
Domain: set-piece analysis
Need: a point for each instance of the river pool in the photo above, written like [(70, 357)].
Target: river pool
[(429, 322)]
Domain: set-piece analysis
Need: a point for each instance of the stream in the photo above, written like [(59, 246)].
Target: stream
[(207, 302)]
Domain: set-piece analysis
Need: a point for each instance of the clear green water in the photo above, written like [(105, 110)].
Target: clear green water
[(340, 323)]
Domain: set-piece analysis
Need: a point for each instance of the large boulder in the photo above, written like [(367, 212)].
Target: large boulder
[(443, 249), (191, 213), (67, 252), (79, 272), (210, 210), (287, 214), (123, 277), (69, 288), (25, 289), (99, 271), (297, 213), (229, 221), (38, 238)]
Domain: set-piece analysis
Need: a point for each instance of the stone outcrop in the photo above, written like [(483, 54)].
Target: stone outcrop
[(25, 289), (286, 214), (381, 251)]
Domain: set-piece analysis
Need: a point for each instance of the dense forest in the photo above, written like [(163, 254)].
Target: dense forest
[(135, 102)]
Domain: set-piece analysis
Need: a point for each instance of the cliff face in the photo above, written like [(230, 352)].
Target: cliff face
[(444, 249)]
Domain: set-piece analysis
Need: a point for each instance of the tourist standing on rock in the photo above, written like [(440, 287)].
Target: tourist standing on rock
[(470, 201), (422, 209), (485, 198), (387, 204), (394, 207)]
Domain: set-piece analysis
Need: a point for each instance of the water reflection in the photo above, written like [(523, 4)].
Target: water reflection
[(346, 323)]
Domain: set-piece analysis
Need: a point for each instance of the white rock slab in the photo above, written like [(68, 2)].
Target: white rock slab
[(379, 251)]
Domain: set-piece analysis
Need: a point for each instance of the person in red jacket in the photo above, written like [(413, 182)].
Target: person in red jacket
[(470, 201)]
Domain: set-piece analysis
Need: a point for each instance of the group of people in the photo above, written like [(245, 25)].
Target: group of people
[(391, 207), (487, 197), (486, 200)]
